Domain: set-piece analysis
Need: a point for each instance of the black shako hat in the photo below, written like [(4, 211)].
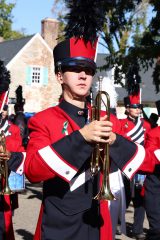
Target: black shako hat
[(75, 52), (126, 101), (132, 101)]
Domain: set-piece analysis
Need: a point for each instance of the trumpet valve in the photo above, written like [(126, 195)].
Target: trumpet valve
[(94, 170)]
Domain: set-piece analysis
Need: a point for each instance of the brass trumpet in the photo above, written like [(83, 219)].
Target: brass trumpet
[(5, 189), (105, 191)]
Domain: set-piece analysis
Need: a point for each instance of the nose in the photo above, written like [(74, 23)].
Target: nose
[(82, 74)]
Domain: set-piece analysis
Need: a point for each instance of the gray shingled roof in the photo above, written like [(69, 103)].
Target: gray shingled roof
[(148, 89), (9, 49)]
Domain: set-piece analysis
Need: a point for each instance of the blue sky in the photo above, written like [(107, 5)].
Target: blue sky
[(28, 14)]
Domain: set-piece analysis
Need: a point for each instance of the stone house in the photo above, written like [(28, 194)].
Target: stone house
[(30, 62)]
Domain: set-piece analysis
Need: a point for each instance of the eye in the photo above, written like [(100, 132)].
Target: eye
[(78, 69), (89, 71)]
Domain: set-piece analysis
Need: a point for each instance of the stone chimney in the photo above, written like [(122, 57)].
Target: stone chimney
[(49, 31)]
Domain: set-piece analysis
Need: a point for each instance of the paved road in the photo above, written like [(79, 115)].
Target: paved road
[(25, 217)]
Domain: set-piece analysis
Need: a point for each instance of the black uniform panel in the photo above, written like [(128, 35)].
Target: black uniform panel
[(152, 186), (58, 192), (68, 214), (152, 182), (56, 225)]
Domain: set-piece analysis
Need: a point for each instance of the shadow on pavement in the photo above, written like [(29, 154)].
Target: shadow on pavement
[(34, 193), (129, 229), (25, 234), (35, 189)]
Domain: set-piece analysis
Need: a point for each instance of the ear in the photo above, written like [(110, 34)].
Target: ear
[(59, 77), (127, 109)]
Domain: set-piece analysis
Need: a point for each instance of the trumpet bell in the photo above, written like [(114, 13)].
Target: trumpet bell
[(5, 189), (105, 194)]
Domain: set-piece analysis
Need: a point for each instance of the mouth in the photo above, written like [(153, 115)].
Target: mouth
[(81, 85)]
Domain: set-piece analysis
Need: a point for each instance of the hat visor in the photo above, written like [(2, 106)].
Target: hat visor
[(135, 105), (78, 61)]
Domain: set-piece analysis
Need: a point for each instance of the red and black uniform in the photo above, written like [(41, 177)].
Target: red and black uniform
[(152, 186), (58, 155), (135, 130), (15, 163)]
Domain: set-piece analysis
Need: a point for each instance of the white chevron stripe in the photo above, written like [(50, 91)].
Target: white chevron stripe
[(56, 163), (136, 135), (7, 133), (140, 140), (135, 128), (136, 162), (4, 126)]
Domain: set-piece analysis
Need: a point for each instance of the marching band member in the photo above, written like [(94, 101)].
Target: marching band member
[(60, 146), (152, 184), (135, 128), (14, 155)]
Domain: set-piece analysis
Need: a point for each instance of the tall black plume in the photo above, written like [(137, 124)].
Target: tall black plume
[(4, 78), (85, 18), (19, 96), (133, 79)]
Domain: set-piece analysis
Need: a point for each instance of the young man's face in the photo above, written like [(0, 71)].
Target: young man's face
[(134, 112), (76, 82)]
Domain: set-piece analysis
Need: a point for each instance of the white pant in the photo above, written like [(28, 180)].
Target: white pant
[(117, 207)]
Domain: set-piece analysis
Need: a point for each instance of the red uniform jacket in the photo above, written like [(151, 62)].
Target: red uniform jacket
[(13, 137), (153, 145), (153, 141), (58, 155)]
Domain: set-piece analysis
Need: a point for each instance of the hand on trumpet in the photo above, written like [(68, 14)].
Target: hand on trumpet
[(4, 155), (99, 131)]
